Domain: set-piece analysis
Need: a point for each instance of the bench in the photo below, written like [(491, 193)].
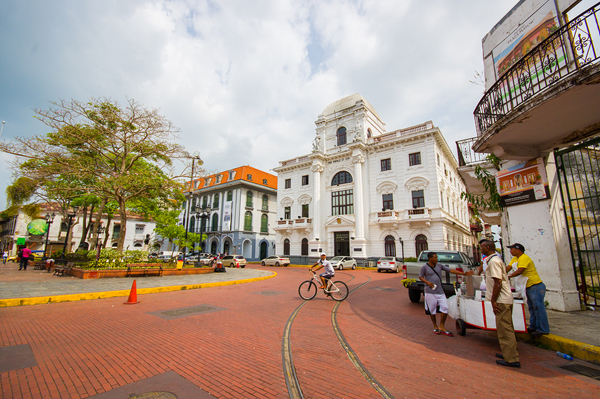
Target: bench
[(39, 265), (144, 272)]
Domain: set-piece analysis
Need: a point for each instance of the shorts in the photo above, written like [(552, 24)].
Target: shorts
[(327, 275), (435, 301)]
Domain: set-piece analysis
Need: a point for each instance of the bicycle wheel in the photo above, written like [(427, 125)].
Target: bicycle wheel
[(338, 290), (307, 290)]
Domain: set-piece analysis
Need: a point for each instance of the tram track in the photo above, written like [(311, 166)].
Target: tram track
[(289, 370)]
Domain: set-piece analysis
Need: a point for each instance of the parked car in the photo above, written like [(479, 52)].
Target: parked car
[(389, 264), (275, 260), (343, 262), (234, 261)]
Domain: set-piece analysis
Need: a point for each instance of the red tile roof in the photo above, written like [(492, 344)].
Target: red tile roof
[(247, 173)]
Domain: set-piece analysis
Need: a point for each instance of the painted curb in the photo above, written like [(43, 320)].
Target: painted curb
[(579, 350), (4, 303)]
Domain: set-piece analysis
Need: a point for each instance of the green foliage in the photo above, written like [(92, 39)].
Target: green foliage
[(407, 282), (488, 180), (20, 191), (410, 259)]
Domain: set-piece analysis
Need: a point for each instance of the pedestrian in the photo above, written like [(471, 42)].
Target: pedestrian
[(435, 297), (329, 271), (535, 290), (25, 255), (4, 257), (499, 294)]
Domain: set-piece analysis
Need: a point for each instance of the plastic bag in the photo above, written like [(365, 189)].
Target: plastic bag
[(521, 285), (453, 307)]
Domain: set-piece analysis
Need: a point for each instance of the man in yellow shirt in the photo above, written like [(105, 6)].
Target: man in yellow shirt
[(535, 289)]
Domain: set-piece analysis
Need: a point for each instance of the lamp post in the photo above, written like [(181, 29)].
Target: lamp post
[(2, 128), (49, 219), (195, 156), (70, 216), (203, 214), (402, 243)]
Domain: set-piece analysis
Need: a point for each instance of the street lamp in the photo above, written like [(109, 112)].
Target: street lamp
[(49, 219), (402, 243), (2, 128), (203, 214), (70, 216), (195, 156)]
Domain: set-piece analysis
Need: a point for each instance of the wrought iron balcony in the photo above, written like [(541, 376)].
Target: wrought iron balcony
[(567, 51), (466, 155)]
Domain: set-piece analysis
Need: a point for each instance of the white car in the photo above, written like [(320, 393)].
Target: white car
[(389, 264), (275, 260), (343, 262)]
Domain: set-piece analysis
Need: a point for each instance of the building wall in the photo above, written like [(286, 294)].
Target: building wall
[(361, 157)]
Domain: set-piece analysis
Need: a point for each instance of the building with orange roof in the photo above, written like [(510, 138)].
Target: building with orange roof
[(236, 209)]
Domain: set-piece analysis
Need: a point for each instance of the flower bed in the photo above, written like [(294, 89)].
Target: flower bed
[(138, 269)]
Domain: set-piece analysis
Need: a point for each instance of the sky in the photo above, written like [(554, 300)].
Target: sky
[(244, 81)]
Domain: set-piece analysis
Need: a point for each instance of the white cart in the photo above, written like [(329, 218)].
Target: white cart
[(477, 313)]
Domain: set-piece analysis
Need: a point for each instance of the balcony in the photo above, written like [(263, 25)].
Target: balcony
[(283, 225), (302, 223), (417, 216), (547, 99), (139, 237), (391, 218)]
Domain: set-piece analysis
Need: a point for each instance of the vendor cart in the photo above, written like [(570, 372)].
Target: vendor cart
[(478, 313)]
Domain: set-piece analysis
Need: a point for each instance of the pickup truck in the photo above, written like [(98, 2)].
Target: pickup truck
[(452, 259)]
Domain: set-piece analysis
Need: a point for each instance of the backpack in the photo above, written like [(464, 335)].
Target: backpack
[(20, 253)]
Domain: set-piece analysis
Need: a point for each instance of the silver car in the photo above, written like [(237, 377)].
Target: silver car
[(275, 260), (343, 262), (389, 264)]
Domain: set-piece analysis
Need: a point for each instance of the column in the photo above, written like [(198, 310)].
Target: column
[(359, 215), (316, 222)]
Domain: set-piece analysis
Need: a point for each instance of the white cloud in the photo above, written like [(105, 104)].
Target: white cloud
[(245, 81)]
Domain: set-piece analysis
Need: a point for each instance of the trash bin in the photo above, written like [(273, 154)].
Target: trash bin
[(371, 263), (179, 264)]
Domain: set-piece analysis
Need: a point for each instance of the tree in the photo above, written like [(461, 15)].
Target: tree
[(117, 153)]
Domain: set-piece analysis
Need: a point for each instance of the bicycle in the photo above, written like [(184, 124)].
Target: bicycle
[(338, 290)]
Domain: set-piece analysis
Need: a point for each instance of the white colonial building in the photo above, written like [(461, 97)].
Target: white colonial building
[(367, 193), (236, 209)]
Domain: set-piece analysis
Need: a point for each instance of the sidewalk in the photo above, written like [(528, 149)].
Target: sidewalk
[(575, 333)]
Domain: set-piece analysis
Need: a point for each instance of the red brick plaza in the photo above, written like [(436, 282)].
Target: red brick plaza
[(227, 342)]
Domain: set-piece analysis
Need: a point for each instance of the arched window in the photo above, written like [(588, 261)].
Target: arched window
[(305, 246), (192, 225), (194, 204), (204, 202), (215, 222), (342, 177), (229, 195), (248, 221), (421, 244), (390, 246), (341, 136), (264, 224), (216, 201), (286, 247), (63, 227), (265, 205), (249, 199)]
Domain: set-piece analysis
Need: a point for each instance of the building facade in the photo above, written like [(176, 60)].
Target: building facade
[(367, 193), (15, 234), (546, 118), (236, 209)]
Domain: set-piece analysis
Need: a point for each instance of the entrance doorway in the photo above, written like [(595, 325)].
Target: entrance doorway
[(341, 244), (263, 250)]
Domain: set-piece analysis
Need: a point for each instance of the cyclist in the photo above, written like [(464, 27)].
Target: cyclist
[(329, 272)]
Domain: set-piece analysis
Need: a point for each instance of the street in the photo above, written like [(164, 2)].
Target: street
[(229, 342)]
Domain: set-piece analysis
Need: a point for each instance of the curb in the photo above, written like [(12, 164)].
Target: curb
[(579, 350), (4, 303)]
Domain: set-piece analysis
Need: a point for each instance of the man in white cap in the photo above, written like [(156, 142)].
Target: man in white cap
[(329, 272)]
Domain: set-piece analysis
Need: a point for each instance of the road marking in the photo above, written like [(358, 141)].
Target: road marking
[(289, 371), (352, 355)]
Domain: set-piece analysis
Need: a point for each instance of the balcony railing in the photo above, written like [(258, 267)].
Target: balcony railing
[(567, 50), (466, 155)]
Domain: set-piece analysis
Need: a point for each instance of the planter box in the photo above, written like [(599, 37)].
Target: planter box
[(137, 272)]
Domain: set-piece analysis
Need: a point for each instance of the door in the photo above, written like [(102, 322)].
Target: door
[(263, 250), (341, 243)]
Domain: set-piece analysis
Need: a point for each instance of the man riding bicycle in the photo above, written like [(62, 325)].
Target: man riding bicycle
[(329, 272)]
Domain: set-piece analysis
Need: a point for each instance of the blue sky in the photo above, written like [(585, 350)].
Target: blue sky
[(245, 80)]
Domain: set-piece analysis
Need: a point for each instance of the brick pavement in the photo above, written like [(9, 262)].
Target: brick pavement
[(87, 348)]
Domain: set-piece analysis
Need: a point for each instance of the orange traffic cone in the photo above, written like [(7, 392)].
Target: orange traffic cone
[(238, 265), (132, 295)]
